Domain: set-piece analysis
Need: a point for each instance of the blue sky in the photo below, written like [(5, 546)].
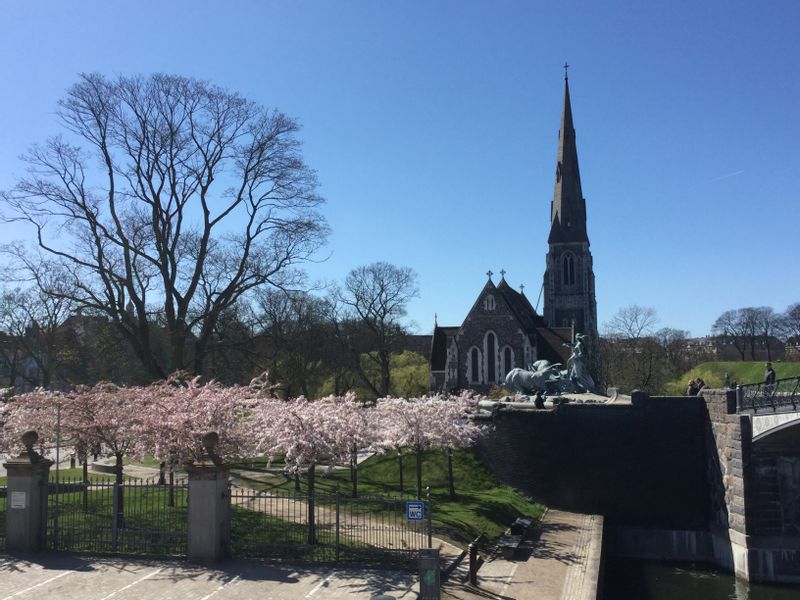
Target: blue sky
[(433, 127)]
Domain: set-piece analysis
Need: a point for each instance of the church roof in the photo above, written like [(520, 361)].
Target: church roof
[(553, 348), (520, 307), (568, 208)]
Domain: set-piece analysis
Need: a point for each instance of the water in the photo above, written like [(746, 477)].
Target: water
[(630, 579)]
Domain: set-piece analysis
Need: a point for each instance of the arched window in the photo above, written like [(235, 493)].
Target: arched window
[(474, 364), (508, 360), (488, 303), (568, 270), (491, 367)]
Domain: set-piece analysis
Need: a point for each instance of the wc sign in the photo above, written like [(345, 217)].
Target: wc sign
[(415, 510)]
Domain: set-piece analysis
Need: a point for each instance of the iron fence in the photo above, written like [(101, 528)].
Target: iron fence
[(3, 494), (781, 395), (134, 517), (326, 528)]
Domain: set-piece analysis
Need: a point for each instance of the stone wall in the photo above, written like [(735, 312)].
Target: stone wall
[(640, 465)]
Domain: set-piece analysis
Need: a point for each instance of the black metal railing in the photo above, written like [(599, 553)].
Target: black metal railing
[(134, 517), (781, 395), (326, 528)]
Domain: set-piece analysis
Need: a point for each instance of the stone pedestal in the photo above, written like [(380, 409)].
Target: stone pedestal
[(209, 511), (26, 504)]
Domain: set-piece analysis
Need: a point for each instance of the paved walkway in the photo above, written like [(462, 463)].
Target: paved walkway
[(64, 577), (559, 560)]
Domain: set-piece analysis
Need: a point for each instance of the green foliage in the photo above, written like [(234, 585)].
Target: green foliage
[(409, 373), (483, 503), (713, 373), (408, 370)]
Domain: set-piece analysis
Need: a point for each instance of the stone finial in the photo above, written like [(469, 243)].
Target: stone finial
[(29, 438), (210, 441)]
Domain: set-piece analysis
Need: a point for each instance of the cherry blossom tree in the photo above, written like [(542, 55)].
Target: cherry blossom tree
[(178, 411), (456, 428), (427, 423), (356, 429), (37, 411)]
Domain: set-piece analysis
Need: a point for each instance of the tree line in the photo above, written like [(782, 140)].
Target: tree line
[(634, 354)]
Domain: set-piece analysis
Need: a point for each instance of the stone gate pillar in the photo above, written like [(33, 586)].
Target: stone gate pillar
[(26, 504), (209, 505)]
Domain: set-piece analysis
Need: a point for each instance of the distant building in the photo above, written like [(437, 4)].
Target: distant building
[(502, 330)]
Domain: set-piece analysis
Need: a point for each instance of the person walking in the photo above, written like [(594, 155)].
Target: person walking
[(769, 379)]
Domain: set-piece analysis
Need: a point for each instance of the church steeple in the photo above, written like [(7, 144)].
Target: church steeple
[(568, 208), (569, 298)]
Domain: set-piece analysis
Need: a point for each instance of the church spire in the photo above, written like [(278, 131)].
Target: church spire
[(568, 208)]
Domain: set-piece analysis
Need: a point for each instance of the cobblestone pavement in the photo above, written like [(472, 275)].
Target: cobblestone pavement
[(76, 578)]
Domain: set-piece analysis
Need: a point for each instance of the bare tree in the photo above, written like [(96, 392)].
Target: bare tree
[(174, 198), (790, 322), (631, 356), (31, 318), (368, 309), (730, 326)]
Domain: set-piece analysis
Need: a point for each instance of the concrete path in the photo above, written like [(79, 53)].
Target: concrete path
[(559, 560)]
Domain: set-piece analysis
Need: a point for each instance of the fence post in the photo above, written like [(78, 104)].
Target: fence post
[(338, 506), (115, 516), (429, 511), (26, 508), (209, 505), (473, 563)]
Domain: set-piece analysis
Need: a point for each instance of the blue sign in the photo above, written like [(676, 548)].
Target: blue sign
[(415, 510)]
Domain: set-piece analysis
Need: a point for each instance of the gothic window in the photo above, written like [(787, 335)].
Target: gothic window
[(491, 366), (508, 360), (568, 270), (474, 365), (488, 303)]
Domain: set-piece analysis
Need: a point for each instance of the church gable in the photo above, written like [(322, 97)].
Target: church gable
[(493, 339)]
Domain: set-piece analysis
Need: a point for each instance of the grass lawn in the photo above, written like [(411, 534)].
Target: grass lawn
[(713, 373), (482, 504)]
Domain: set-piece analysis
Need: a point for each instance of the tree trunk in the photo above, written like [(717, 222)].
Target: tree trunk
[(171, 498), (85, 482), (400, 460), (450, 474), (419, 472), (118, 481), (312, 538), (297, 482), (354, 471)]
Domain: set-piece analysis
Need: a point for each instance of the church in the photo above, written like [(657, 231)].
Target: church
[(502, 330)]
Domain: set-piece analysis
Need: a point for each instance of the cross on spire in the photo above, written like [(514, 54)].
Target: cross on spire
[(489, 273), (521, 288), (502, 273), (566, 66)]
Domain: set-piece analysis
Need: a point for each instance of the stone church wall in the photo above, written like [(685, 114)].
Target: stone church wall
[(506, 328)]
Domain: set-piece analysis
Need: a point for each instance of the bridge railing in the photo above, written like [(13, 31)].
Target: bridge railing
[(782, 394)]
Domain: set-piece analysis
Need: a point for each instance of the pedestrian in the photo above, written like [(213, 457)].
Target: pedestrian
[(700, 384), (769, 378), (538, 401), (691, 388)]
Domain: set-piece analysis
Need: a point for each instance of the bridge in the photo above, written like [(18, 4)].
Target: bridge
[(714, 477), (771, 407)]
